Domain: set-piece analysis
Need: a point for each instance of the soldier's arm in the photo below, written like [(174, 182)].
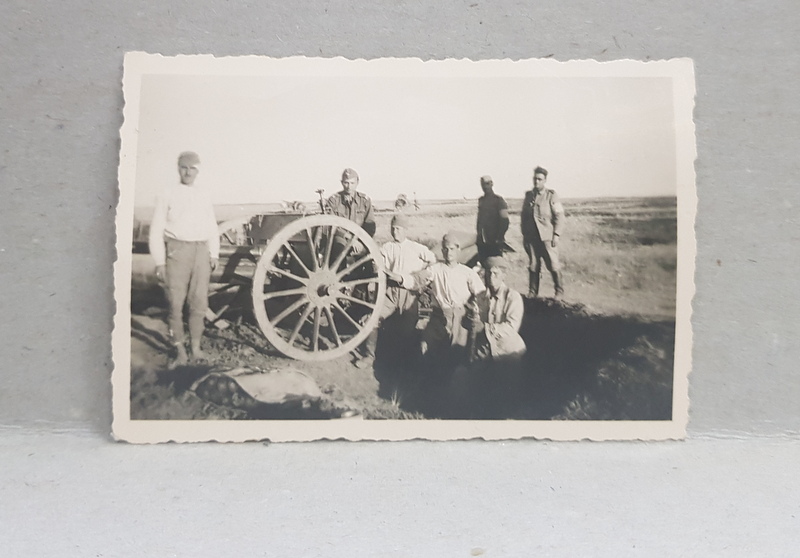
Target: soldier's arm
[(515, 310), (475, 284), (155, 241), (503, 215), (557, 210), (427, 256), (525, 216), (369, 219), (213, 236), (331, 205)]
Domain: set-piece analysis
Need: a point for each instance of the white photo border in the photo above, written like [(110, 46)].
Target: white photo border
[(138, 64)]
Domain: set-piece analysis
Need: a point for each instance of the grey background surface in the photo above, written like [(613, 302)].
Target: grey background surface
[(67, 490)]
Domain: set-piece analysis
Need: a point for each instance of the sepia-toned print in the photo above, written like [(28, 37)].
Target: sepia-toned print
[(394, 249)]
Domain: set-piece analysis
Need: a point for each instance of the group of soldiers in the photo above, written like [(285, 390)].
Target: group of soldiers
[(473, 318)]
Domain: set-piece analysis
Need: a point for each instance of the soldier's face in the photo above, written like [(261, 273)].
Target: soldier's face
[(398, 233), (349, 185), (539, 180), (486, 187), (450, 252), (494, 278), (188, 173)]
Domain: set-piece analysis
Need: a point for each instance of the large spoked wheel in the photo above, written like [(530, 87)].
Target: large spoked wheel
[(318, 288)]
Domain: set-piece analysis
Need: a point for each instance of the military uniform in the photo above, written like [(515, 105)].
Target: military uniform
[(357, 208), (492, 225), (542, 219), (501, 314), (453, 288), (406, 259)]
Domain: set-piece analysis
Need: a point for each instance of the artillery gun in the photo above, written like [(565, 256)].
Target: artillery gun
[(313, 280)]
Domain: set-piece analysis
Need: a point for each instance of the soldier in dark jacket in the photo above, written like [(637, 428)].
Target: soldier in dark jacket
[(542, 221), (492, 221), (352, 205)]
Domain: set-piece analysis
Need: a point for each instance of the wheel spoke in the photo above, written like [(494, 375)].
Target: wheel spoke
[(299, 324), (342, 256), (289, 309), (312, 249), (329, 247), (355, 300), (296, 257), (332, 324), (287, 292), (354, 265), (315, 335), (346, 315), (303, 280)]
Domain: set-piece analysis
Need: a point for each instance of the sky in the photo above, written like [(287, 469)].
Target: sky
[(271, 138)]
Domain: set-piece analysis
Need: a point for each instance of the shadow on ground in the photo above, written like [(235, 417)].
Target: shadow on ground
[(579, 366)]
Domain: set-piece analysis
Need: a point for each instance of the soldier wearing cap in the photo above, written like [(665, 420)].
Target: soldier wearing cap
[(492, 221), (542, 221), (495, 318), (454, 286), (352, 205), (404, 262), (184, 242)]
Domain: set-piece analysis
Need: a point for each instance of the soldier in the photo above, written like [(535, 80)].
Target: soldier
[(356, 207), (454, 286), (492, 221), (542, 221), (352, 205), (184, 242), (403, 260), (496, 317)]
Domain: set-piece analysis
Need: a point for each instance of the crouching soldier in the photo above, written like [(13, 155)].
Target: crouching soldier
[(495, 318)]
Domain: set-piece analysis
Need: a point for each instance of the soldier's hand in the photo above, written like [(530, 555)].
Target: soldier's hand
[(214, 263), (161, 273), (555, 241), (396, 277), (358, 248)]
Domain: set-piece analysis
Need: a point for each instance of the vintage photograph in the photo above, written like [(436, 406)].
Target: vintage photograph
[(403, 249)]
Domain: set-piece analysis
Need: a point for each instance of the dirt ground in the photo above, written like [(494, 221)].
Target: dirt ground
[(603, 353)]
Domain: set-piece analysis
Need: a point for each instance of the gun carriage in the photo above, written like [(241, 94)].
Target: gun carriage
[(313, 280)]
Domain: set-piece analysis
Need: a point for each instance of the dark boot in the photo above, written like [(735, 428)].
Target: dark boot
[(533, 284), (558, 283)]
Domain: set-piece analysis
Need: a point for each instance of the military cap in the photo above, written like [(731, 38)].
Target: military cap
[(400, 220), (540, 170), (349, 173), (451, 238), (189, 158), (486, 179), (496, 261)]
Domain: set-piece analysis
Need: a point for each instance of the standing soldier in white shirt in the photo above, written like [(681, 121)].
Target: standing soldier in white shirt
[(184, 242), (403, 259)]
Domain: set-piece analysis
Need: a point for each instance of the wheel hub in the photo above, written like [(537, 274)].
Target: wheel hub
[(322, 287)]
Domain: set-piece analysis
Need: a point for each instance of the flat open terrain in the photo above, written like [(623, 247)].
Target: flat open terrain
[(603, 352)]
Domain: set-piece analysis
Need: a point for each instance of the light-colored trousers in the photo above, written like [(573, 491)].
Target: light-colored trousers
[(188, 273)]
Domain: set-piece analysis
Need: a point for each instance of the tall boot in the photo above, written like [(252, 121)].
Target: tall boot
[(558, 283), (533, 284)]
